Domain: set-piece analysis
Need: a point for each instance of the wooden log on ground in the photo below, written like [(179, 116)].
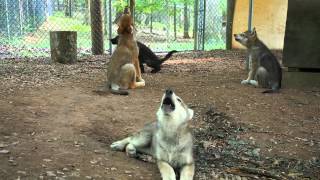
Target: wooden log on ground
[(63, 46)]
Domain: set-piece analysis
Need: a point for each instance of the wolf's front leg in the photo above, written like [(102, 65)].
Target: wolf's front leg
[(166, 171), (250, 79), (187, 172), (136, 64)]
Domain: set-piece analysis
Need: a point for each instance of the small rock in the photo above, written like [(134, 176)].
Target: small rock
[(47, 160), (65, 169), (113, 169), (51, 174), (127, 172), (41, 177), (4, 151), (22, 173), (256, 152), (60, 178), (94, 162), (88, 177), (12, 161), (15, 143), (3, 145), (60, 172)]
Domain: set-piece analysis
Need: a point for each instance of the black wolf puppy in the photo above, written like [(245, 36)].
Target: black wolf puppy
[(146, 56)]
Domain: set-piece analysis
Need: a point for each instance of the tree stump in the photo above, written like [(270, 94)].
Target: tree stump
[(63, 46)]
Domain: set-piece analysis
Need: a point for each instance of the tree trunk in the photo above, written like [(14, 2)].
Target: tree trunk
[(132, 4), (96, 27), (67, 8), (87, 19), (63, 46), (175, 21), (58, 5), (151, 20), (230, 16), (186, 23)]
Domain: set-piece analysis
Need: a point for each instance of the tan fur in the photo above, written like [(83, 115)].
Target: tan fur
[(126, 26), (123, 71)]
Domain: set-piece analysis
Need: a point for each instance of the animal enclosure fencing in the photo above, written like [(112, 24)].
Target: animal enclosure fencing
[(162, 25)]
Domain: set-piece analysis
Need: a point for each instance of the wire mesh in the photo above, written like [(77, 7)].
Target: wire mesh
[(162, 25)]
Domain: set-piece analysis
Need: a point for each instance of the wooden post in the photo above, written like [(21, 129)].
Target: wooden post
[(230, 16), (132, 4), (63, 46), (96, 27)]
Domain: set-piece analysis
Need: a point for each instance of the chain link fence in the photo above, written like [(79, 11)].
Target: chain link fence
[(162, 25)]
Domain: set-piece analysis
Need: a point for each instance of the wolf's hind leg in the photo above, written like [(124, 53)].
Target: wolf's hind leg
[(127, 75), (138, 142), (262, 77)]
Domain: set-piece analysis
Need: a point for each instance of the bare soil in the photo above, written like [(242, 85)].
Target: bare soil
[(54, 126)]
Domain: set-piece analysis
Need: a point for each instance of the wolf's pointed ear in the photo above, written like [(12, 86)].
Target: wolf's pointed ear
[(254, 32), (190, 114)]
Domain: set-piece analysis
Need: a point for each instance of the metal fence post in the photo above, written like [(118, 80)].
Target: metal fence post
[(110, 28), (250, 17), (195, 35), (7, 19)]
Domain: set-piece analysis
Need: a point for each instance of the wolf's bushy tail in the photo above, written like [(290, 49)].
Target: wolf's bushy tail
[(274, 89), (170, 53)]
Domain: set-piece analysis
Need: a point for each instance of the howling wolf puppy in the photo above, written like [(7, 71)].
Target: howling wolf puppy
[(123, 70), (146, 56), (265, 70), (168, 140)]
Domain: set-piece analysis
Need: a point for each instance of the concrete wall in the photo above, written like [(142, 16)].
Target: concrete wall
[(269, 18)]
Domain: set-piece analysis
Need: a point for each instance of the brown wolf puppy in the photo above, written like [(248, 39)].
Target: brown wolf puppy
[(146, 56), (126, 28), (168, 140), (123, 69), (265, 70)]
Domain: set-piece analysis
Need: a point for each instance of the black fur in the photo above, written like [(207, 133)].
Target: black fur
[(146, 56)]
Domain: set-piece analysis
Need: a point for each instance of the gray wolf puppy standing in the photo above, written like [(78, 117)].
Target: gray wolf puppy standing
[(168, 140), (265, 70)]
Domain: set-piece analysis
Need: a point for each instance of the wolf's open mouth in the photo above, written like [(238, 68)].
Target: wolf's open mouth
[(168, 104)]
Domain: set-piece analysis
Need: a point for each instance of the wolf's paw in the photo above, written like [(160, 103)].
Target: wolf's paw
[(245, 82), (140, 80), (131, 150), (254, 83), (117, 146)]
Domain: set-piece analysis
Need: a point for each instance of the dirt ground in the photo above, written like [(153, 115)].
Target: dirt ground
[(54, 126)]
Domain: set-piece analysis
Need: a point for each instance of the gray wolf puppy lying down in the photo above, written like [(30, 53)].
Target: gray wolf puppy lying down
[(168, 140)]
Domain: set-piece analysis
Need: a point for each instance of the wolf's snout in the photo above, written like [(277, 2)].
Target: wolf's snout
[(236, 37), (168, 104), (169, 92)]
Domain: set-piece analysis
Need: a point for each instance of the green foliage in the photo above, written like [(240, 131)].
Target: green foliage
[(119, 4)]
